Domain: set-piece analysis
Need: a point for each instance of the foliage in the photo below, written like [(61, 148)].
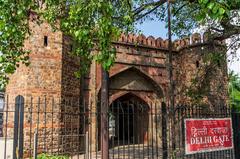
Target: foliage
[(13, 30), (46, 156), (91, 24), (234, 90), (94, 24)]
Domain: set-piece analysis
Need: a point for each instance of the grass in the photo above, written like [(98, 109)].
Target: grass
[(46, 156)]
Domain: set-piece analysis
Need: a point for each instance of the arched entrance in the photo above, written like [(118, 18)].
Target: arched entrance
[(128, 120), (134, 121)]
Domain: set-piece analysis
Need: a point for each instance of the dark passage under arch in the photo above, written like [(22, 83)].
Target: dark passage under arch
[(128, 120)]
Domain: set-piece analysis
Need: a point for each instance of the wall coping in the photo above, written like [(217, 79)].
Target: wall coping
[(141, 40)]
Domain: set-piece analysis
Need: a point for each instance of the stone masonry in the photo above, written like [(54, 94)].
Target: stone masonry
[(140, 70)]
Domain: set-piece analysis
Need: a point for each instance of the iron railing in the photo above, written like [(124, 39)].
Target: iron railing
[(136, 129), (203, 112)]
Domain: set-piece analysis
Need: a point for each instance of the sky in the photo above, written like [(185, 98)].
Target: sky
[(157, 29), (154, 28)]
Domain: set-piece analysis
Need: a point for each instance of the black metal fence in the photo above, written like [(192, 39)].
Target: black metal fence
[(67, 127), (1, 123), (183, 112), (236, 132)]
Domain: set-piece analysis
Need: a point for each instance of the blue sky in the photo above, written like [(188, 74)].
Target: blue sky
[(154, 28), (157, 29)]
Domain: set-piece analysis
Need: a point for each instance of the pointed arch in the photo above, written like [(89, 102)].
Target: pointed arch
[(118, 95), (133, 73)]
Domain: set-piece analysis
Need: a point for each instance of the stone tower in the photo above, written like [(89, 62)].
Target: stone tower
[(47, 85)]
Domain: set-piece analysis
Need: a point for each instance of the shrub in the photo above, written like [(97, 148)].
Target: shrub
[(47, 156)]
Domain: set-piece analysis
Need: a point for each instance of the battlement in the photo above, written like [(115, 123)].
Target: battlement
[(150, 41)]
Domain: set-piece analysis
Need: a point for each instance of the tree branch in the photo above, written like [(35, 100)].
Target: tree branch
[(216, 29), (176, 12), (144, 6), (146, 13), (229, 30)]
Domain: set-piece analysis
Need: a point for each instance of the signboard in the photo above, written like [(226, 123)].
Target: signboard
[(205, 135)]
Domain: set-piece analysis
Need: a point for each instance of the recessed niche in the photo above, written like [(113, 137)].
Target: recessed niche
[(45, 41), (197, 64)]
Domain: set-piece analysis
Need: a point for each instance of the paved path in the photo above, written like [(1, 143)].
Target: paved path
[(9, 147), (127, 152)]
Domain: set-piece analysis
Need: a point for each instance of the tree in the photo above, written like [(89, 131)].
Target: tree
[(234, 90), (96, 23)]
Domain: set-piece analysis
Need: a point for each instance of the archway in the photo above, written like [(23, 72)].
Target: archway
[(128, 120), (134, 80), (131, 93)]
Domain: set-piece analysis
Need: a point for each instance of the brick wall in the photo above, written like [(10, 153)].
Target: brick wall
[(140, 69)]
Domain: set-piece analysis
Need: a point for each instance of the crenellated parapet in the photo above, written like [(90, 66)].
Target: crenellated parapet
[(143, 40), (150, 41)]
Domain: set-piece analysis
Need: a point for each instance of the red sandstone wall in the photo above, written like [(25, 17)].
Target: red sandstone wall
[(70, 64), (192, 65), (43, 76), (52, 70), (52, 67)]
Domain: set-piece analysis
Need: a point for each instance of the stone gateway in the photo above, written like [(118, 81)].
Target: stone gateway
[(139, 75)]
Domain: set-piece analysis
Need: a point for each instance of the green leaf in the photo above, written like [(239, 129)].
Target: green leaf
[(10, 68), (2, 24), (77, 33), (1, 59), (215, 9), (204, 1), (200, 16), (210, 5), (221, 11)]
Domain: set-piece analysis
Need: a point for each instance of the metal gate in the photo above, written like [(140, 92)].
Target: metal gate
[(52, 127), (184, 111), (136, 129), (236, 130)]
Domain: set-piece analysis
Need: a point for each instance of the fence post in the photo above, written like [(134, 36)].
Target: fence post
[(35, 144), (18, 139), (21, 126), (15, 129), (164, 131), (87, 145), (236, 132)]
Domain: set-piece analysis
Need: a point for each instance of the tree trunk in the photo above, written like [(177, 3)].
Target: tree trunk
[(104, 114), (171, 82)]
